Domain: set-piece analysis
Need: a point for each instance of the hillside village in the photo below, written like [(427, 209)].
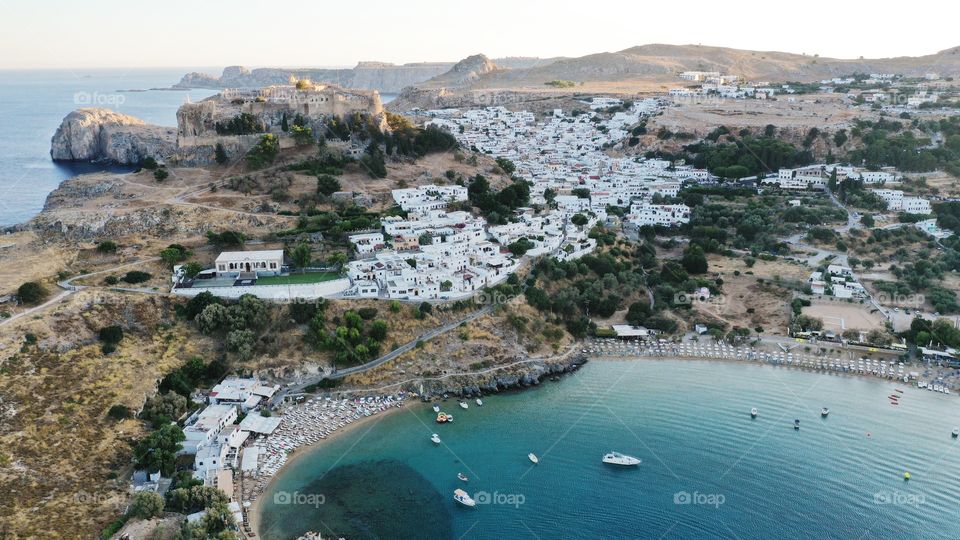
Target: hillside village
[(581, 179), (887, 91)]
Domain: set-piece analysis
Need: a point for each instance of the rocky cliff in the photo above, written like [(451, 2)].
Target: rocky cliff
[(465, 72), (105, 135), (383, 77)]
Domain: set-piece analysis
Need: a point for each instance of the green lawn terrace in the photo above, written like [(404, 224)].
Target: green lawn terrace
[(297, 278)]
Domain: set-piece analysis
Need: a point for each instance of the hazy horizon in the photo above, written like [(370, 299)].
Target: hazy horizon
[(113, 34)]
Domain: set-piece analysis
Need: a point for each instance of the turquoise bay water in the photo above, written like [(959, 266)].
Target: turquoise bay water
[(708, 470)]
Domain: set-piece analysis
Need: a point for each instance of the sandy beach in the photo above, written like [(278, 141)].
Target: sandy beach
[(368, 422), (928, 377)]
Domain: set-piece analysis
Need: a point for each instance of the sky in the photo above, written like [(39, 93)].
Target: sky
[(325, 33)]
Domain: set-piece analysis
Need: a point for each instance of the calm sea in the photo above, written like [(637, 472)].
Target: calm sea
[(32, 104), (708, 471)]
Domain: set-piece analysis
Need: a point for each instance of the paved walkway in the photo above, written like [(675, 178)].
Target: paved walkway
[(377, 362)]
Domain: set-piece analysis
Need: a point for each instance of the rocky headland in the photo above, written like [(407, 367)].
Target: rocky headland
[(96, 134)]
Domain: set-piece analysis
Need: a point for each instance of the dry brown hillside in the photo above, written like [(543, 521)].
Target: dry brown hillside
[(662, 62)]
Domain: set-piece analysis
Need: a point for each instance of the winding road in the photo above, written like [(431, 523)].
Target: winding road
[(68, 288)]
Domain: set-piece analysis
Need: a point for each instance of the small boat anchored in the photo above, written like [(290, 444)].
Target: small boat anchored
[(462, 477), (796, 424), (479, 402), (616, 458), (436, 408), (435, 438), (464, 405), (824, 412), (533, 458), (956, 432), (754, 412), (461, 497)]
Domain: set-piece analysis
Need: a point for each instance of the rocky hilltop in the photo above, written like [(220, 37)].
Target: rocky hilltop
[(379, 76), (104, 135), (465, 72)]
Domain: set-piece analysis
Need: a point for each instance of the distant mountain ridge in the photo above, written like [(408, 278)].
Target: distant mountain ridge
[(383, 77), (380, 76), (660, 61), (653, 62)]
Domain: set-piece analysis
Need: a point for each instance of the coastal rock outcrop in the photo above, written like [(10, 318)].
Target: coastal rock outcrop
[(103, 135), (475, 385)]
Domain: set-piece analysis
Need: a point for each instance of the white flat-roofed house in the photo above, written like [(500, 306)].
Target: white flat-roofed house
[(367, 288), (367, 243), (509, 233), (896, 202), (265, 263), (920, 98), (877, 177), (208, 425), (572, 203), (840, 290), (804, 178), (838, 270), (916, 205), (210, 458), (430, 197), (667, 215), (244, 393), (893, 198)]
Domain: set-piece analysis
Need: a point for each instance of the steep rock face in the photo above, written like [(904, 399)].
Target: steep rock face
[(467, 70), (105, 135), (463, 74)]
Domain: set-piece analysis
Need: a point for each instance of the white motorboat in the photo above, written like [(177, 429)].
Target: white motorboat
[(533, 457), (462, 476), (435, 438), (463, 405), (616, 458), (479, 402), (754, 412), (956, 432), (463, 498), (436, 408)]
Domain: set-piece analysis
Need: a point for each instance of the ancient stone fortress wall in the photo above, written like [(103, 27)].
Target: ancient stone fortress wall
[(196, 122)]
